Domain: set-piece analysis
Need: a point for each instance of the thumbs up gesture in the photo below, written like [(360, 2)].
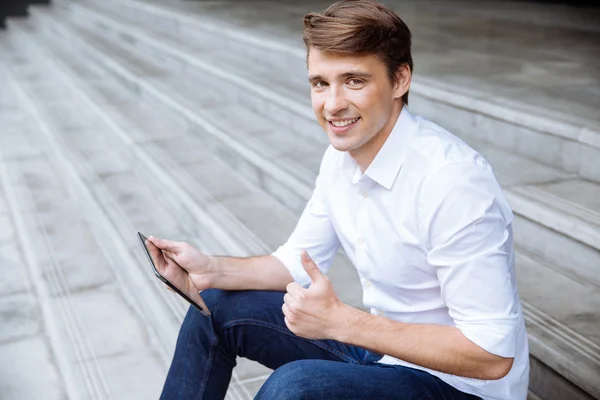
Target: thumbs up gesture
[(315, 312)]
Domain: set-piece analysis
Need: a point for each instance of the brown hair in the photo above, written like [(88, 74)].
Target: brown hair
[(361, 27)]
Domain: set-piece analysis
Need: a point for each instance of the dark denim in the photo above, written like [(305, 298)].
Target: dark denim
[(250, 324)]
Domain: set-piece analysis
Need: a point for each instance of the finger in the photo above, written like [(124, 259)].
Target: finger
[(295, 289), (287, 323), (169, 287), (311, 267), (156, 255), (167, 245), (288, 300)]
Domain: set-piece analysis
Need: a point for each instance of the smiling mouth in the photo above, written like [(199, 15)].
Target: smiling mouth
[(343, 123)]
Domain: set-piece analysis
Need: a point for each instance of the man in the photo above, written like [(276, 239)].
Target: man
[(418, 213)]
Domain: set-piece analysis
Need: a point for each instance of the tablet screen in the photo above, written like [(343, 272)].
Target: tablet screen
[(193, 298)]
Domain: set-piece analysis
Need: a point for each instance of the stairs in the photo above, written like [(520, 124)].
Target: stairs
[(141, 115)]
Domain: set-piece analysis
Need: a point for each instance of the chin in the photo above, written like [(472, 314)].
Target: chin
[(341, 144)]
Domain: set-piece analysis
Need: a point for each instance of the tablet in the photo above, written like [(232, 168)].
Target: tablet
[(193, 298)]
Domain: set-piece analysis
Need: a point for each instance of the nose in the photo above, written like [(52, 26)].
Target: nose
[(336, 101)]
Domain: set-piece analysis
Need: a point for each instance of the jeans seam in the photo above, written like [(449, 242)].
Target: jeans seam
[(364, 361), (211, 357), (248, 321)]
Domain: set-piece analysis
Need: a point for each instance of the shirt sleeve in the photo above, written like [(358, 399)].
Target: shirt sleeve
[(466, 221), (314, 233)]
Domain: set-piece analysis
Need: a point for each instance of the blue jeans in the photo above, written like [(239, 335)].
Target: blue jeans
[(250, 324)]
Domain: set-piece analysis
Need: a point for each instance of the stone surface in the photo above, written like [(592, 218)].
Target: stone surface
[(27, 371), (241, 120), (3, 203), (589, 163), (219, 180), (112, 328), (252, 387), (145, 383), (249, 370), (269, 221), (311, 159), (15, 144), (107, 162), (20, 317), (183, 150), (573, 257), (543, 381), (512, 169), (577, 305), (7, 232), (68, 117), (81, 273), (577, 191), (14, 278), (135, 197)]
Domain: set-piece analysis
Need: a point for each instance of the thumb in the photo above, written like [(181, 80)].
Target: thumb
[(164, 244), (311, 267)]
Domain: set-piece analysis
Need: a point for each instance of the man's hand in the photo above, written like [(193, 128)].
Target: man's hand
[(315, 312), (188, 268)]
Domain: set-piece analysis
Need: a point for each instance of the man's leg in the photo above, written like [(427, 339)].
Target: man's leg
[(324, 380), (243, 323)]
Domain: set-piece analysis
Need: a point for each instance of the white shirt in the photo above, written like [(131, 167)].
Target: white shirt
[(429, 231)]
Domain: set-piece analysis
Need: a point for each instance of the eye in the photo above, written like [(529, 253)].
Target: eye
[(319, 84), (356, 82)]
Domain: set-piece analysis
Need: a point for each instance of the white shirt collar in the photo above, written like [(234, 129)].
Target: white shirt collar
[(387, 163)]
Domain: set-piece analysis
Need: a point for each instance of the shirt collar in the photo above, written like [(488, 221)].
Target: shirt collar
[(387, 163)]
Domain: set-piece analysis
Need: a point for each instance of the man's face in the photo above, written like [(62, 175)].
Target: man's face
[(352, 97)]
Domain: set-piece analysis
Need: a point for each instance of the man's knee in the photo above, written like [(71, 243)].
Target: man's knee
[(292, 381), (194, 320), (218, 302), (212, 297), (229, 305)]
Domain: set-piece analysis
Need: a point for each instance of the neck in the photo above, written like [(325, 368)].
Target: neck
[(365, 154)]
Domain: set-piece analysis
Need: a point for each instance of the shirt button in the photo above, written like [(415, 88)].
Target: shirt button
[(367, 283), (361, 241), (365, 195)]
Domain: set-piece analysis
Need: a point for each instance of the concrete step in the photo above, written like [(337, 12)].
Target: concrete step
[(27, 365), (561, 314), (477, 106), (76, 282), (176, 92), (246, 369), (99, 156), (548, 172), (562, 224)]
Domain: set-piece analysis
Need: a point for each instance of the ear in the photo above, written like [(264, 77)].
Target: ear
[(403, 79)]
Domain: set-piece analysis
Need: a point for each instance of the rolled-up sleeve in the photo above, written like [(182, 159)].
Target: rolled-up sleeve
[(314, 233), (466, 222)]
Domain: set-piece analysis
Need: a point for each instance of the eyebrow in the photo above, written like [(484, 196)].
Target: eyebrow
[(358, 74)]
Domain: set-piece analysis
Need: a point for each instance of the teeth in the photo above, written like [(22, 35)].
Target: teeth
[(344, 123)]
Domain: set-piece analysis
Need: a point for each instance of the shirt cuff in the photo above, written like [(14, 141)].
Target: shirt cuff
[(291, 260), (494, 336)]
